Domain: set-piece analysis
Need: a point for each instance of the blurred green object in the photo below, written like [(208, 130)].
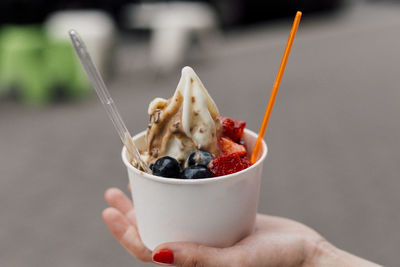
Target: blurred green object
[(20, 69), (38, 70), (64, 70)]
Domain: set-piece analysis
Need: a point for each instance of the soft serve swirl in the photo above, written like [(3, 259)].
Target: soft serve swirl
[(183, 123)]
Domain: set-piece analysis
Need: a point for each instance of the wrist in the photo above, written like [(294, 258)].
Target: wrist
[(323, 253)]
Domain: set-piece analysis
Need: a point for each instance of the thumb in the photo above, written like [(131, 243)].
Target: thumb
[(186, 254)]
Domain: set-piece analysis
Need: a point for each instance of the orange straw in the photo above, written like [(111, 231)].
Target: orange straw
[(296, 22)]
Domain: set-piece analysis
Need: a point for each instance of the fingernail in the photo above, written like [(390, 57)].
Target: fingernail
[(164, 256)]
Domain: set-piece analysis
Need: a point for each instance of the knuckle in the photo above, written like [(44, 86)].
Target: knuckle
[(138, 254), (141, 257), (314, 247), (193, 261), (240, 260)]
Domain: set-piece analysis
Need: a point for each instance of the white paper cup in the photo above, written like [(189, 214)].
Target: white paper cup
[(213, 211)]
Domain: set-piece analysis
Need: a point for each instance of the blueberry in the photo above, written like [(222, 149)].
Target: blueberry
[(200, 157), (166, 167), (196, 172), (151, 166)]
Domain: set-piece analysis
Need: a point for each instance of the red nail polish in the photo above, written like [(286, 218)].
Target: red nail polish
[(164, 256)]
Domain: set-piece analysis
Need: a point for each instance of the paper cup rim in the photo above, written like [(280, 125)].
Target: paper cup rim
[(193, 181)]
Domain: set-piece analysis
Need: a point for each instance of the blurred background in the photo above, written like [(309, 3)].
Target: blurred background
[(333, 138)]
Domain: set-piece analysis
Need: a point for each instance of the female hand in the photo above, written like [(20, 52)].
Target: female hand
[(275, 242)]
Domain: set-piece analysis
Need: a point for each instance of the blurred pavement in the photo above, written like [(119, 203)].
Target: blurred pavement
[(333, 139)]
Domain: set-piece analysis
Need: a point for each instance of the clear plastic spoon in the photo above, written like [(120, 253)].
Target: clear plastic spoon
[(105, 98)]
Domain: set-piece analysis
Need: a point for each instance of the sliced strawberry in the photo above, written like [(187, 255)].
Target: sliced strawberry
[(228, 164), (245, 162), (229, 147), (227, 126), (232, 128)]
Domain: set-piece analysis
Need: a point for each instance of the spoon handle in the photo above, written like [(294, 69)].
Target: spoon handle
[(105, 97)]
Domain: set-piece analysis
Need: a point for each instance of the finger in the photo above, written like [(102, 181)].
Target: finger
[(129, 187), (267, 222), (126, 234), (117, 199), (186, 254)]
